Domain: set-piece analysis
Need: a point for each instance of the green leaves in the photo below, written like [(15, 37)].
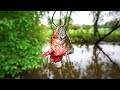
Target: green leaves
[(2, 57), (20, 44)]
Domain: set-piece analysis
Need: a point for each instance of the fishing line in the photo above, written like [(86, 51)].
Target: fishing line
[(67, 19), (52, 18)]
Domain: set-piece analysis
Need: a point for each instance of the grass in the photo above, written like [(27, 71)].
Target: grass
[(84, 36)]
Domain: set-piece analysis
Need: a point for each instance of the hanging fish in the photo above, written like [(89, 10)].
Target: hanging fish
[(60, 45)]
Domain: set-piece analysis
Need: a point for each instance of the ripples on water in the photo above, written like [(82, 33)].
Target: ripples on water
[(86, 62)]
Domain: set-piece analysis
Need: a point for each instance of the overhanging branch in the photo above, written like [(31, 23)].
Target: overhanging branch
[(105, 54), (113, 28)]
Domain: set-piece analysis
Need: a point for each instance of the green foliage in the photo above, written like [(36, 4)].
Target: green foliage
[(44, 34), (75, 27), (86, 27), (108, 24), (81, 35), (19, 49)]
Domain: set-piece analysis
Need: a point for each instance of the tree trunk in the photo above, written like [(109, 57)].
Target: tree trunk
[(96, 17), (95, 28)]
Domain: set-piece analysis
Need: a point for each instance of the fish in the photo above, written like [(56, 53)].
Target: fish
[(60, 46)]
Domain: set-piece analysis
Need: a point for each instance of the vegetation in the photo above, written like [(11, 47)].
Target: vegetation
[(84, 36), (22, 36), (20, 44)]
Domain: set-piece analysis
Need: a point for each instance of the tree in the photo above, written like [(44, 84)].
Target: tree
[(75, 27), (19, 45), (49, 20), (106, 25), (96, 17), (65, 18), (114, 25), (86, 27)]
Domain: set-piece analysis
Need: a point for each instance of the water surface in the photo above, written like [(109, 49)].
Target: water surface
[(91, 62)]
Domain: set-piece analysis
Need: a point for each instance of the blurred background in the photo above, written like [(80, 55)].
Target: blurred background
[(95, 36)]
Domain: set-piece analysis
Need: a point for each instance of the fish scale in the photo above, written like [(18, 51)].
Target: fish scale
[(60, 45)]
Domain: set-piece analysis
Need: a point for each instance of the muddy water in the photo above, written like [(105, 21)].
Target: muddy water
[(90, 62)]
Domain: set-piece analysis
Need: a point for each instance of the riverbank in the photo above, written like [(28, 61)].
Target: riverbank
[(82, 36)]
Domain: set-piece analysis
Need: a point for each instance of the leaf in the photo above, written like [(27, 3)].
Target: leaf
[(6, 68), (19, 47)]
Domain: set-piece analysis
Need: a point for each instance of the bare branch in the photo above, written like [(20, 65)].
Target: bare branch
[(49, 20), (113, 28), (69, 19)]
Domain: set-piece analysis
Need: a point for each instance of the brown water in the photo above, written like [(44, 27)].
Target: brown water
[(87, 62)]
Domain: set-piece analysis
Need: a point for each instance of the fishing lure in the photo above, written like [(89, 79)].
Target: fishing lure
[(60, 45)]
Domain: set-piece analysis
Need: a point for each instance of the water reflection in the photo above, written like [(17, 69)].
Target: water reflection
[(99, 69), (50, 71), (89, 62)]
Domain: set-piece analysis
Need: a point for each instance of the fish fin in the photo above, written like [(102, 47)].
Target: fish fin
[(58, 58), (50, 51), (44, 54)]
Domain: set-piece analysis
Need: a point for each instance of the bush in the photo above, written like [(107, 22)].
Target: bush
[(19, 50)]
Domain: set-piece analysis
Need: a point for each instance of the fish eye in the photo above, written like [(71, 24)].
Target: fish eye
[(62, 35)]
